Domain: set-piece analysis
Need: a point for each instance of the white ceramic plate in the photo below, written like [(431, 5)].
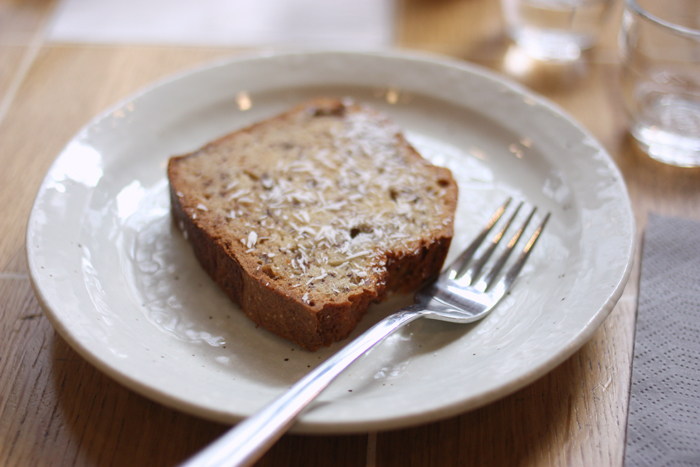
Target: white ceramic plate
[(122, 286)]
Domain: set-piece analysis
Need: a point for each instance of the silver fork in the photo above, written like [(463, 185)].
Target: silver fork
[(461, 294)]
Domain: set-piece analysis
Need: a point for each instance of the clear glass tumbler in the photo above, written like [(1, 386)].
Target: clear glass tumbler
[(660, 54), (555, 30)]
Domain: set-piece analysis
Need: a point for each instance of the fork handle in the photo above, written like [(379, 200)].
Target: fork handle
[(249, 440)]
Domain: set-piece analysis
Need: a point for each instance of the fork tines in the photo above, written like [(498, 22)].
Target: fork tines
[(466, 270)]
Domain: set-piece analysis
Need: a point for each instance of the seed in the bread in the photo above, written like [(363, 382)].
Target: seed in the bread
[(252, 175), (269, 271), (267, 182), (202, 207), (237, 194), (252, 239)]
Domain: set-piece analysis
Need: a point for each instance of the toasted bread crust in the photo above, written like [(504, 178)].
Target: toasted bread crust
[(297, 308)]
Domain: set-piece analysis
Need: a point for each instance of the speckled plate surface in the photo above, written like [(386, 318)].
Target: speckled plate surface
[(122, 286)]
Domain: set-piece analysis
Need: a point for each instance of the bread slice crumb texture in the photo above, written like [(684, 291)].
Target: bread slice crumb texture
[(321, 206)]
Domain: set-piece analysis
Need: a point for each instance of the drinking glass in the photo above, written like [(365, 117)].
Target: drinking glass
[(555, 30), (660, 53)]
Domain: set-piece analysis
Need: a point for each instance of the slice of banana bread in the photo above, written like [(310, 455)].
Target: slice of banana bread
[(308, 217)]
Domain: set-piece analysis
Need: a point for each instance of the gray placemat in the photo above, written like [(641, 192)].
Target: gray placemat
[(663, 426)]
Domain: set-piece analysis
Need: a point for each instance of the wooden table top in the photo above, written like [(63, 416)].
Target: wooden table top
[(56, 409)]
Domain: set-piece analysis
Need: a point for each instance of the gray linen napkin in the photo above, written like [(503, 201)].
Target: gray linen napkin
[(663, 426)]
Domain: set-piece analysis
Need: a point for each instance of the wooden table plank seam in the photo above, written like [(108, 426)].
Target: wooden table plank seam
[(14, 276), (25, 65), (371, 459)]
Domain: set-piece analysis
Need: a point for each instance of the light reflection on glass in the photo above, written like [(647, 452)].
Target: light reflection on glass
[(516, 62)]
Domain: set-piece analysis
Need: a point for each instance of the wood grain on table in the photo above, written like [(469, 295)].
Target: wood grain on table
[(56, 409)]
